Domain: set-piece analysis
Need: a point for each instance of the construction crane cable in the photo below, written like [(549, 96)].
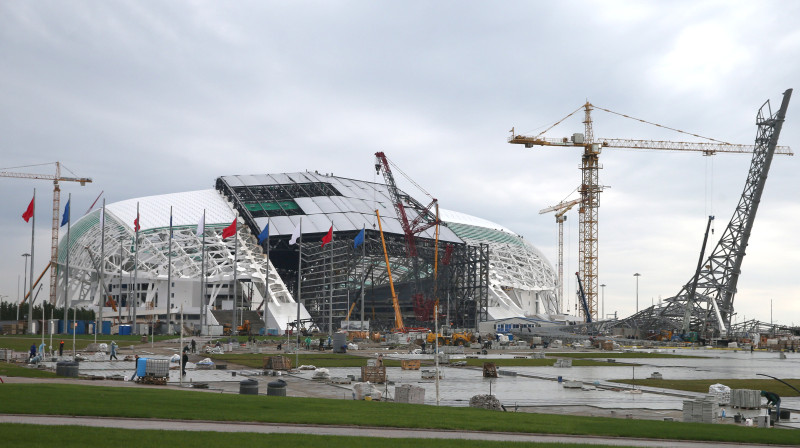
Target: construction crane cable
[(70, 171), (27, 166), (409, 178), (661, 126), (559, 121)]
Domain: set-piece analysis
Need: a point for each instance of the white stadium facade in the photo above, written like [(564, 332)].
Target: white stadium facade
[(479, 270)]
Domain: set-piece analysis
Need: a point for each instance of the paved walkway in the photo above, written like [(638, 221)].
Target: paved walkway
[(394, 433)]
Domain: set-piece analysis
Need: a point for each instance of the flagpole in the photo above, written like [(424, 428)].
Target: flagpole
[(235, 329), (74, 320), (68, 211), (264, 314), (203, 310), (169, 274), (101, 280), (330, 286), (135, 271), (235, 275), (51, 330), (30, 292), (183, 366), (299, 290), (119, 300), (363, 283)]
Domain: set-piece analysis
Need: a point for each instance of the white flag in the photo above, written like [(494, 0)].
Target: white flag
[(201, 225), (295, 234)]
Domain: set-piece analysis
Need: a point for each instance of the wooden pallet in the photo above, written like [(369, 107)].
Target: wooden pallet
[(277, 363), (373, 374), (155, 380), (489, 370), (410, 364)]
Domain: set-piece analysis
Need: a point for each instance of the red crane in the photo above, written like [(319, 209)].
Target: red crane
[(425, 219)]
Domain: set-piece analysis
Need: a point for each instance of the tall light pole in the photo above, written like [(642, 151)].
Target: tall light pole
[(603, 298), (24, 282), (637, 275)]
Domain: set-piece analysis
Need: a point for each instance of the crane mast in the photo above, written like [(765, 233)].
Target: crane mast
[(56, 209), (561, 210)]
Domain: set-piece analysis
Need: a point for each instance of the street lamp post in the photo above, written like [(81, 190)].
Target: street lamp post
[(637, 275), (603, 297)]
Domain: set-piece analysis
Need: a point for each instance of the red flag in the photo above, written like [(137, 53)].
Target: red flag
[(29, 212), (136, 226), (328, 237), (230, 230)]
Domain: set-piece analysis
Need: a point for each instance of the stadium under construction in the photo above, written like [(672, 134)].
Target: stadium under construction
[(317, 250), (483, 271)]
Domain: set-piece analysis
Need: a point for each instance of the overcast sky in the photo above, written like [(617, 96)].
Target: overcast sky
[(152, 97)]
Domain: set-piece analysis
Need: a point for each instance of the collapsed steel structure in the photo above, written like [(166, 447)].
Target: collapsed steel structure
[(705, 303)]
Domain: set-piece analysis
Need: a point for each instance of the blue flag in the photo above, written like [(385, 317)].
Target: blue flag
[(264, 234), (65, 219), (359, 238)]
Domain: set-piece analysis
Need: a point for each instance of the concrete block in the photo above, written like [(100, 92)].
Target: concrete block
[(408, 393)]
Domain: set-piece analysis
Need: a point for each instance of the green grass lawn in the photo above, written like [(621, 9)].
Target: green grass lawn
[(19, 435), (66, 399), (7, 369), (702, 385)]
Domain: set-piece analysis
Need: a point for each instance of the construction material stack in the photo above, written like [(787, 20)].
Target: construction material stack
[(704, 410)]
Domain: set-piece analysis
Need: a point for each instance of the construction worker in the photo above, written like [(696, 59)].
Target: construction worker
[(113, 351), (773, 399), (61, 348)]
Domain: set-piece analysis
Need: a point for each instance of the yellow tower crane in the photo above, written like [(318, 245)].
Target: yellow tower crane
[(56, 209), (590, 188), (561, 210)]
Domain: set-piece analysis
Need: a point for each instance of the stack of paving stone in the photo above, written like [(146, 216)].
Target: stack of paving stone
[(563, 362), (721, 392), (409, 394), (537, 355), (746, 398), (704, 410)]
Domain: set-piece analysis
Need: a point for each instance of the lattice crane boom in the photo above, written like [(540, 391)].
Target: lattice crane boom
[(56, 209), (706, 148), (424, 220)]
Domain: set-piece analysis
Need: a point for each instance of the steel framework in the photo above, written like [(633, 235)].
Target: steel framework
[(152, 264), (711, 306)]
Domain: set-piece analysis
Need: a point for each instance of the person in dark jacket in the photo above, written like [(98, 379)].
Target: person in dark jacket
[(184, 360), (773, 399)]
